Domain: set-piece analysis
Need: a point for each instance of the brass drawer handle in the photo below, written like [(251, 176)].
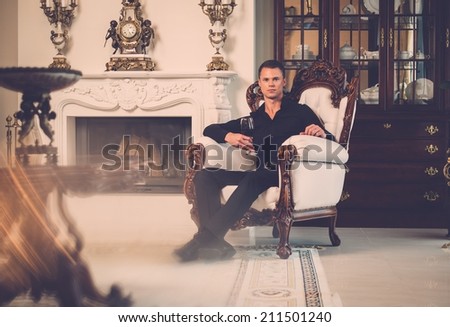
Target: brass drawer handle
[(431, 171), (431, 129), (431, 196), (446, 170), (387, 125), (431, 149), (391, 38), (447, 38)]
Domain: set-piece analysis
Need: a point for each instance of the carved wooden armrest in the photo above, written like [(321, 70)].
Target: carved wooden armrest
[(195, 157), (195, 154), (285, 205)]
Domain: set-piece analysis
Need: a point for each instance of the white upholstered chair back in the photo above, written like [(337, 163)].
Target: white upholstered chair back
[(319, 100), (325, 89)]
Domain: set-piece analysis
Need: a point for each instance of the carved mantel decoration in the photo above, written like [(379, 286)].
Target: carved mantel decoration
[(201, 96)]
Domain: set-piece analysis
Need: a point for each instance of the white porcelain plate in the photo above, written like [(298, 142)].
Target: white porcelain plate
[(372, 6), (349, 10)]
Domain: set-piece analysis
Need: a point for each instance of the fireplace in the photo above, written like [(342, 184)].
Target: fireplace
[(138, 120), (152, 146)]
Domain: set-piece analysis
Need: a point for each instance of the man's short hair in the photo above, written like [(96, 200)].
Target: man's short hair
[(272, 63)]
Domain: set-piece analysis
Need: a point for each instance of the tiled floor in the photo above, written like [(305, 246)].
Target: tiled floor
[(381, 267)]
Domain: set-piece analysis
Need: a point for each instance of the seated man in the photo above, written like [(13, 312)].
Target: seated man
[(276, 120)]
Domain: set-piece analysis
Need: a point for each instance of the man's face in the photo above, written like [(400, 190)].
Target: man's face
[(271, 82)]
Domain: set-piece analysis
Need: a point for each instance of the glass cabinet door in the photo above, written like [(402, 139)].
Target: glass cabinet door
[(359, 45), (302, 25), (390, 44), (445, 85), (412, 44)]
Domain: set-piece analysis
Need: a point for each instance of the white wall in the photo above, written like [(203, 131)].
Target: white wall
[(181, 42), (8, 58)]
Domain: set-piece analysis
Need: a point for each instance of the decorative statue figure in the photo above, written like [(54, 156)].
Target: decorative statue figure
[(147, 34), (112, 34), (45, 115), (26, 116)]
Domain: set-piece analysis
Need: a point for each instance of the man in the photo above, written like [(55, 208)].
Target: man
[(274, 122)]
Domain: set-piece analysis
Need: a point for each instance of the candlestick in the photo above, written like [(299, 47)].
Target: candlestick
[(217, 11), (60, 15)]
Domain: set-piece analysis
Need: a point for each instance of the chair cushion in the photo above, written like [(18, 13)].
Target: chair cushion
[(319, 100), (317, 175), (317, 149), (225, 156), (313, 187), (317, 186)]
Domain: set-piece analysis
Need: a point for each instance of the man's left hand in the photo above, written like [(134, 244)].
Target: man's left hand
[(314, 130)]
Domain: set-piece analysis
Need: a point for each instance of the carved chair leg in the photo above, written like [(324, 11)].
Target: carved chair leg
[(284, 227), (335, 240)]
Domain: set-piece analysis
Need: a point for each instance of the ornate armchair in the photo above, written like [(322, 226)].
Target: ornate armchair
[(312, 170)]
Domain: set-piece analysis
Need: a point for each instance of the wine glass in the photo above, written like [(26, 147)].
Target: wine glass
[(247, 125), (247, 128)]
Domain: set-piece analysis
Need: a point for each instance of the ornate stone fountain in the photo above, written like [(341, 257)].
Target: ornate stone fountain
[(36, 84)]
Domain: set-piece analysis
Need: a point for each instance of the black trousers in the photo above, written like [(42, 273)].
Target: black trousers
[(218, 218)]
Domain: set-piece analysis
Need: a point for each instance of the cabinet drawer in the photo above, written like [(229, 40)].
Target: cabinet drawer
[(403, 196), (386, 150), (427, 172), (398, 129)]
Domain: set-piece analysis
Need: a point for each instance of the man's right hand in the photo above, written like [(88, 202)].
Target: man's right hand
[(240, 141)]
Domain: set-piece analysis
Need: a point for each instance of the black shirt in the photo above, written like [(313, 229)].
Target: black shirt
[(269, 134)]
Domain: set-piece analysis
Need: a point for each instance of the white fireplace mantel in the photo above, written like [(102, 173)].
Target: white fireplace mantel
[(201, 96)]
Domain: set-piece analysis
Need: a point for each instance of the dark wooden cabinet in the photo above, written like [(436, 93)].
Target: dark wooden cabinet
[(401, 138)]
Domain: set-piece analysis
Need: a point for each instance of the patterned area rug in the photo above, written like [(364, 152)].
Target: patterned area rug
[(265, 280), (255, 277)]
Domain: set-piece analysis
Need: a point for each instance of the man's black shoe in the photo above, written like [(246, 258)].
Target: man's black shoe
[(189, 251), (217, 250), (206, 247)]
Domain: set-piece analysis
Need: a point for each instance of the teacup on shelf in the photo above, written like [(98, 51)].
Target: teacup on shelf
[(370, 95), (404, 54), (420, 55), (371, 54)]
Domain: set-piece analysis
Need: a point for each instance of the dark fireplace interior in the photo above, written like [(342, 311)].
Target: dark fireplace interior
[(154, 146)]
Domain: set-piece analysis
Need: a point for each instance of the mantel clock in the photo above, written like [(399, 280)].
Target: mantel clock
[(131, 35)]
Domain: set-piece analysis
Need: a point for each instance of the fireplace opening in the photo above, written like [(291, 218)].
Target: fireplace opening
[(154, 146)]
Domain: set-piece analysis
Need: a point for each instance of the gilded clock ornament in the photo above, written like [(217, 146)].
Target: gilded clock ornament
[(131, 36)]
